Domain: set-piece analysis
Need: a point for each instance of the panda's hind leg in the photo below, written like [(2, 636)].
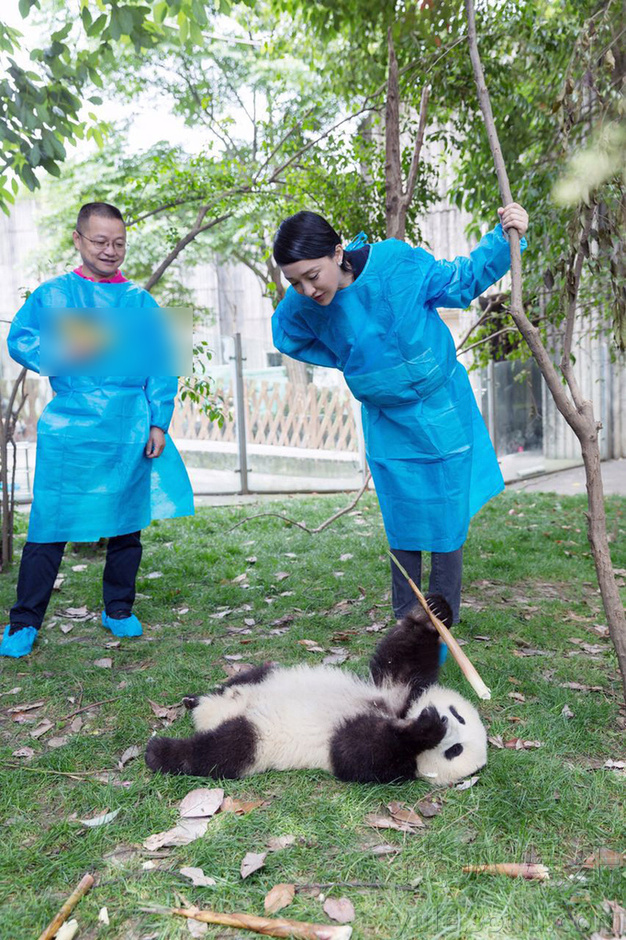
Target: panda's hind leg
[(227, 751), (409, 653)]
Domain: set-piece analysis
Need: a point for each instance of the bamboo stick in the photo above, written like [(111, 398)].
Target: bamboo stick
[(81, 889), (528, 870), (463, 661), (268, 926)]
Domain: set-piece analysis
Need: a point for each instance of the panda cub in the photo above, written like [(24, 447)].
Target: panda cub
[(395, 726)]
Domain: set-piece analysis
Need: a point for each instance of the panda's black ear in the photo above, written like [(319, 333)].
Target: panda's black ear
[(191, 701)]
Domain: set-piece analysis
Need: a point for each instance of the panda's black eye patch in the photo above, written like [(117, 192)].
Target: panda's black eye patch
[(458, 717), (453, 751)]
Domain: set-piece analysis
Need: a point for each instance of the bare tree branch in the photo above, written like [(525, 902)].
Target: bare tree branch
[(572, 285), (182, 244), (419, 140)]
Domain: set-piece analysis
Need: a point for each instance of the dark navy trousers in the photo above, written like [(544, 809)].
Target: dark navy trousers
[(40, 565), (446, 573)]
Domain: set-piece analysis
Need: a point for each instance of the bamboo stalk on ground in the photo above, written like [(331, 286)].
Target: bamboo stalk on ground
[(466, 667), (267, 926), (85, 884), (529, 870)]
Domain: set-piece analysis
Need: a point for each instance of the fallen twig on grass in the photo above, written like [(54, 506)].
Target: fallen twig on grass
[(81, 889), (268, 926), (75, 774), (86, 708), (468, 670), (301, 525)]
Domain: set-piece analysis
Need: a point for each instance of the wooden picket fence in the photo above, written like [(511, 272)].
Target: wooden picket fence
[(279, 414)]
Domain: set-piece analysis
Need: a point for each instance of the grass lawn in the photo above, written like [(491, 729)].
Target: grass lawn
[(530, 604)]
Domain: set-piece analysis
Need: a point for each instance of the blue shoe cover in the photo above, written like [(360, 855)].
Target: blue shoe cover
[(18, 644), (128, 626), (443, 653)]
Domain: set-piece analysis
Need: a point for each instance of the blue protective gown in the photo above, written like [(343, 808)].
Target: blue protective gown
[(92, 478), (427, 446)]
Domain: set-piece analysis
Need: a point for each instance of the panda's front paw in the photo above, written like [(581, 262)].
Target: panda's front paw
[(166, 755), (430, 727)]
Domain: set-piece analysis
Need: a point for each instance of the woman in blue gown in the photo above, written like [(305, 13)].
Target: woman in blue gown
[(372, 312), (105, 464)]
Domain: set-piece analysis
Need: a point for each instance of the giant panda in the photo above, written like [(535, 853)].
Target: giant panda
[(394, 726)]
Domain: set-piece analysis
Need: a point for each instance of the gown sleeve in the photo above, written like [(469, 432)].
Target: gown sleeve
[(456, 283), (293, 336), (161, 393), (23, 340)]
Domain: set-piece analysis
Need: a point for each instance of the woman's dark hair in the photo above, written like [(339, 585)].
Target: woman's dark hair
[(304, 236)]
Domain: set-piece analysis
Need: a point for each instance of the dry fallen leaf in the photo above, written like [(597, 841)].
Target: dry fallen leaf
[(281, 575), (339, 909), (67, 627), (200, 803), (196, 928), (168, 713), (429, 807), (615, 764), (188, 830), (278, 897), (605, 858), (198, 878), (103, 915), (129, 754), (77, 613), (517, 696), (467, 784), (276, 843), (619, 917), (41, 728), (579, 687), (567, 712), (252, 861), (402, 813), (79, 567), (240, 807), (105, 663), (376, 821), (101, 820), (153, 575), (517, 744), (57, 741), (496, 740), (24, 708), (25, 752)]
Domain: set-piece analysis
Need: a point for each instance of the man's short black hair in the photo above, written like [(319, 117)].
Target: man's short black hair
[(97, 208)]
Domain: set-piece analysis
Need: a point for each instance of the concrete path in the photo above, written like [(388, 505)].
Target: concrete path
[(572, 480)]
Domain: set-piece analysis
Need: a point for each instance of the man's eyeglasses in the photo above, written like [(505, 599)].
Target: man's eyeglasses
[(118, 245)]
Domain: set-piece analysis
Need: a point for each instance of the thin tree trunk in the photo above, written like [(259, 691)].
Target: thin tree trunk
[(395, 218), (578, 414)]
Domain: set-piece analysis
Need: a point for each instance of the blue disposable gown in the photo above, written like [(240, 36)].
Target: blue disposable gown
[(92, 478), (427, 446)]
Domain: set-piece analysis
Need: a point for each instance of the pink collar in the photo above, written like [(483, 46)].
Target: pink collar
[(117, 278)]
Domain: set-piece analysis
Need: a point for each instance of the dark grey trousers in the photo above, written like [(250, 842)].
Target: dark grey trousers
[(446, 573)]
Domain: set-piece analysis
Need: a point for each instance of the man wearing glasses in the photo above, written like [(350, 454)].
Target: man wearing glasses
[(105, 465)]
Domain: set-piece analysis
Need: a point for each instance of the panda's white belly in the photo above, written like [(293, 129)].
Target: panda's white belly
[(295, 712)]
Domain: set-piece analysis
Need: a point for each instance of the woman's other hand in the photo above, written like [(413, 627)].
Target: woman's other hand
[(514, 216)]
